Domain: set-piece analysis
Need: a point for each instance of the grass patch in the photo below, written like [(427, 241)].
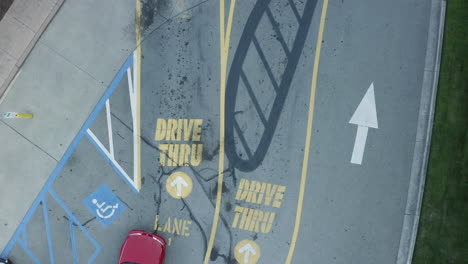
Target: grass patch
[(443, 228)]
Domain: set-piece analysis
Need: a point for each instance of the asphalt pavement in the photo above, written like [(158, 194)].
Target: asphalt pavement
[(245, 132)]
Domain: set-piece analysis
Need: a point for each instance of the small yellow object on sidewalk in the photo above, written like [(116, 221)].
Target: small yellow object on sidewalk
[(24, 115), (17, 115)]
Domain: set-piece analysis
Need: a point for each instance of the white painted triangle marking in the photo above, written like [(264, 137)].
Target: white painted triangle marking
[(366, 113), (364, 117)]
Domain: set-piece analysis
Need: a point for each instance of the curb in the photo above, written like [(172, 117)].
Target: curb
[(423, 134), (6, 85)]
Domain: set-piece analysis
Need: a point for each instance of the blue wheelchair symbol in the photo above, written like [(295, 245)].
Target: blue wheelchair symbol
[(104, 205)]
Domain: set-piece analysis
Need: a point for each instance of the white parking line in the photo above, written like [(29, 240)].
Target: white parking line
[(109, 129), (110, 157)]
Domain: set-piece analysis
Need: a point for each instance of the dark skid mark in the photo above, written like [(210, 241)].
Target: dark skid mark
[(126, 204), (197, 223), (158, 202), (228, 228), (215, 254), (75, 225), (200, 178), (152, 8), (256, 157), (148, 8)]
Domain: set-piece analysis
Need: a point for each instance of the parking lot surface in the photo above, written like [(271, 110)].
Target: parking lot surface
[(245, 132)]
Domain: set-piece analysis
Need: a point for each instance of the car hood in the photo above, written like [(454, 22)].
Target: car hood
[(142, 249)]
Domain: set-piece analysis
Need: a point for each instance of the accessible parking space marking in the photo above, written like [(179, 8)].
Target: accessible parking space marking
[(104, 205), (20, 236), (135, 181)]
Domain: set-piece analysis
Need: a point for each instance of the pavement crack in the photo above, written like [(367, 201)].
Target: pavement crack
[(126, 204), (72, 63), (121, 121), (205, 240), (210, 156), (168, 20), (158, 198), (34, 144), (75, 224), (209, 178), (89, 221), (118, 134)]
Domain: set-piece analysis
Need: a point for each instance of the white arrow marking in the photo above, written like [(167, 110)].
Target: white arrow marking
[(364, 117), (179, 181), (247, 250)]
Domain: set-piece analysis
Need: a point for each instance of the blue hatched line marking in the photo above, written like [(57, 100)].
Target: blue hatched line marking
[(75, 220), (47, 226), (53, 176), (26, 249), (73, 242), (23, 237)]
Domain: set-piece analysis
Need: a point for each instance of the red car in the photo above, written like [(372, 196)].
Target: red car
[(141, 247)]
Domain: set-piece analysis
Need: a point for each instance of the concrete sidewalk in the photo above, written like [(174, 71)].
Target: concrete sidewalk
[(60, 81), (20, 29)]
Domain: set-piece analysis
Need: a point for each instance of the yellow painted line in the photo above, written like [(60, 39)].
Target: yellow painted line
[(224, 53), (228, 32), (310, 120), (137, 90)]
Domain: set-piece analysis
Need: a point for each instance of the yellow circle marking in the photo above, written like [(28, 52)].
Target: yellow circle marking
[(179, 185), (247, 252)]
